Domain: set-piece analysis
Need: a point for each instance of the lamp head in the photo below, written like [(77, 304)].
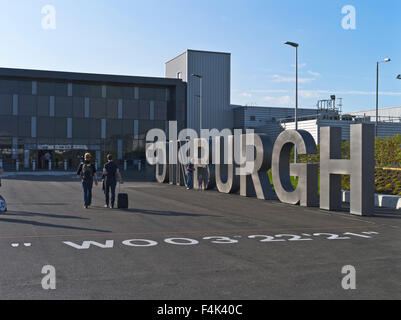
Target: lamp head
[(292, 44)]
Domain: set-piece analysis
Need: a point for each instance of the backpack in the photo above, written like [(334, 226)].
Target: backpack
[(3, 205), (87, 171)]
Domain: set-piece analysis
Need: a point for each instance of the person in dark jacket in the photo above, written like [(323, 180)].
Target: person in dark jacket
[(3, 204), (190, 174), (110, 173), (1, 171), (87, 174)]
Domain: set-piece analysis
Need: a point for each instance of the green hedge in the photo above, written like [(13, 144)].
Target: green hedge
[(388, 152), (388, 182), (387, 155)]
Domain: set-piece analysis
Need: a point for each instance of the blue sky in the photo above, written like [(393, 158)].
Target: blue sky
[(136, 37)]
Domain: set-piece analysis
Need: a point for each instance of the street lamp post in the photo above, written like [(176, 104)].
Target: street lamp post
[(377, 93), (295, 45), (399, 77), (200, 101)]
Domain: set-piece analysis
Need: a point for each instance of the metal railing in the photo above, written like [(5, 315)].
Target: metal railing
[(33, 165), (343, 117), (390, 119)]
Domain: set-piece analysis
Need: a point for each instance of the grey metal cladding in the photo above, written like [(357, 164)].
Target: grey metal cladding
[(87, 77), (265, 115), (63, 106), (6, 104), (215, 69), (27, 105)]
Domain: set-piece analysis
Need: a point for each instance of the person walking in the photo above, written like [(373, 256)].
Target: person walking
[(3, 204), (1, 170), (190, 174), (110, 173), (87, 174)]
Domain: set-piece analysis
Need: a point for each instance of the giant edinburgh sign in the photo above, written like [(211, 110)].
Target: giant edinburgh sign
[(240, 162)]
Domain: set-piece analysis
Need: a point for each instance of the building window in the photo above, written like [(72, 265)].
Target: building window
[(253, 118), (46, 88), (6, 104), (158, 94)]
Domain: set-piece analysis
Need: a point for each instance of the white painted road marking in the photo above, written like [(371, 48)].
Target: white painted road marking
[(16, 245), (109, 244)]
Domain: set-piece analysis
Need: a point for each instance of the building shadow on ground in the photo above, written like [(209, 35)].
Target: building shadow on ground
[(387, 213), (168, 213), (37, 204), (47, 225), (39, 178), (35, 214)]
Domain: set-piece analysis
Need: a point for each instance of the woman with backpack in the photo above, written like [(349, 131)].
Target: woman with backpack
[(87, 173)]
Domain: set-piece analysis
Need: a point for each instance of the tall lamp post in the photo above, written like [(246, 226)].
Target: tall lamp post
[(377, 93), (295, 45), (200, 101), (399, 77)]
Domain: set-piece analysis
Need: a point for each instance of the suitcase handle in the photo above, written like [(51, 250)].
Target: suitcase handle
[(120, 187)]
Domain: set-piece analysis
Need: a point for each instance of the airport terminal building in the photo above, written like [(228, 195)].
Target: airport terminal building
[(58, 116), (49, 119)]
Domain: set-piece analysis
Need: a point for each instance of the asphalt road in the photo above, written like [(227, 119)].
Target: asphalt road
[(179, 244)]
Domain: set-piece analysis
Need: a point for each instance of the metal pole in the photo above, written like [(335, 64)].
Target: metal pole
[(200, 130), (296, 100), (296, 90), (377, 98)]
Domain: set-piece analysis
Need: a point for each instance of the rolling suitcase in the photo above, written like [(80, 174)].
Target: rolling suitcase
[(122, 199)]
